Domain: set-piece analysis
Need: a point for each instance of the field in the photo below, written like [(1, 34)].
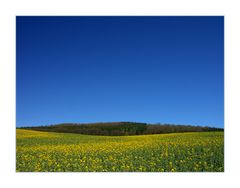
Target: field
[(64, 152)]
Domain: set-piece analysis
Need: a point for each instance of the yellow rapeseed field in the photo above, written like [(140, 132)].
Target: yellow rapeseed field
[(62, 152)]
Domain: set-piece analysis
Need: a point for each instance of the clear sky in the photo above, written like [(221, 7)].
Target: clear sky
[(104, 69)]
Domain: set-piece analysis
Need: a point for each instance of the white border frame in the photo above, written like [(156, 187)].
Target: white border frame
[(10, 8)]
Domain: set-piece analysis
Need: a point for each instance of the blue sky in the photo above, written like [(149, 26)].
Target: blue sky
[(103, 69)]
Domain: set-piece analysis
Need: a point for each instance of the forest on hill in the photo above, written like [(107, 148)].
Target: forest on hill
[(121, 128)]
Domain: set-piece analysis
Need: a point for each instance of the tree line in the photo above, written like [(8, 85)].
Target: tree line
[(121, 128)]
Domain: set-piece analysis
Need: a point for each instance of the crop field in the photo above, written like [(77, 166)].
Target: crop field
[(64, 152)]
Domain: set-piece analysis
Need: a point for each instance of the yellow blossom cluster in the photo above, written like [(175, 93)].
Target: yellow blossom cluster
[(63, 152)]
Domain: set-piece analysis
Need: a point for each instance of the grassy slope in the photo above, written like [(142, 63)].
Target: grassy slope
[(43, 151)]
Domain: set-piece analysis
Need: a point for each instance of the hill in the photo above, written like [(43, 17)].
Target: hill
[(121, 128)]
